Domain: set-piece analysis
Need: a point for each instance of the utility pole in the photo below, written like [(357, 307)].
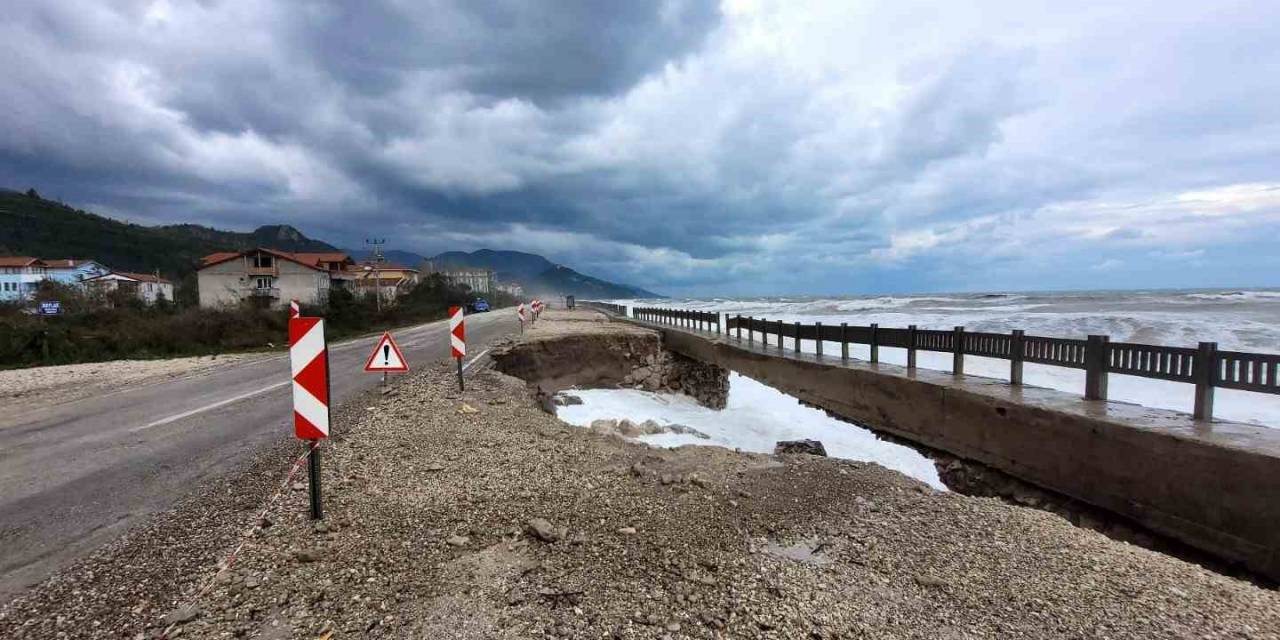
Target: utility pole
[(377, 267)]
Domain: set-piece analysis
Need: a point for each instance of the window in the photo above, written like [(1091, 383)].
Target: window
[(261, 261), (263, 283)]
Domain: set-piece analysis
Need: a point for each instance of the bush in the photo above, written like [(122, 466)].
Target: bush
[(95, 328)]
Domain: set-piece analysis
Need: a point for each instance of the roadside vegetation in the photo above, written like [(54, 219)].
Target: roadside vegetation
[(95, 328)]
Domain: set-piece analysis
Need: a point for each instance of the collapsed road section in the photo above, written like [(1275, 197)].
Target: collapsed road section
[(477, 514)]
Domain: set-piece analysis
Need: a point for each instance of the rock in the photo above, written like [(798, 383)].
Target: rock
[(699, 480), (930, 581), (298, 486), (543, 530), (182, 615), (320, 527), (566, 400), (637, 470), (306, 555), (673, 627), (627, 531), (458, 541), (810, 447), (252, 582), (434, 467)]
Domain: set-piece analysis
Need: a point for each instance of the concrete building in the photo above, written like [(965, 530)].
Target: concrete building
[(477, 280), (146, 287), (510, 288), (73, 271), (19, 277), (389, 280), (270, 278)]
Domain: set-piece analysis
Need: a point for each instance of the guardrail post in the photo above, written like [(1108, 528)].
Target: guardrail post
[(764, 333), (817, 329), (1015, 357), (1206, 369), (844, 340), (911, 347), (875, 342), (957, 352), (781, 342), (1095, 371), (797, 338), (751, 334), (739, 327)]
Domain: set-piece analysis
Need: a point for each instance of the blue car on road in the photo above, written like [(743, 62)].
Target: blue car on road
[(479, 305)]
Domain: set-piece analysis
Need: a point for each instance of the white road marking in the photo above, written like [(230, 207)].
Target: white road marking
[(243, 396), (473, 360), (220, 403)]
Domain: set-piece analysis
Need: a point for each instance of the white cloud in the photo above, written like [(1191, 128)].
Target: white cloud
[(825, 137)]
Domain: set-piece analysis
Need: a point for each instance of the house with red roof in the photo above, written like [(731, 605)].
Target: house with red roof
[(270, 278)]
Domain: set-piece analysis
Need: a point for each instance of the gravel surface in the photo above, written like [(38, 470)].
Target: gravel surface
[(478, 515), (42, 385)]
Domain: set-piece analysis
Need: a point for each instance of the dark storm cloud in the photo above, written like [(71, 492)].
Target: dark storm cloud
[(739, 146)]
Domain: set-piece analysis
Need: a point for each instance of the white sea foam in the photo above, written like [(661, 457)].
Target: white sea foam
[(1240, 320), (757, 417)]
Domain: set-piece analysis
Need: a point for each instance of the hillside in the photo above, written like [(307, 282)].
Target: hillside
[(563, 280), (511, 266), (540, 276), (47, 229), (43, 228)]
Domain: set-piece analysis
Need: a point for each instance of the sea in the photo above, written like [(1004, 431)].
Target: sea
[(757, 416)]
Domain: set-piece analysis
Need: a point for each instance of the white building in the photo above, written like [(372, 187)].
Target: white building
[(73, 271), (271, 278), (147, 287), (19, 277)]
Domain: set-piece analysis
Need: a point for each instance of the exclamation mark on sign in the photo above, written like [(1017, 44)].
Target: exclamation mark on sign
[(386, 355)]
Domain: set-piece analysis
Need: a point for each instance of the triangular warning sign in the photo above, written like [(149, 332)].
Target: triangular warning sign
[(386, 356)]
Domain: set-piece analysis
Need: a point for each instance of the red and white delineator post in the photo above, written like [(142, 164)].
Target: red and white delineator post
[(458, 340), (309, 365), (520, 313), (295, 309)]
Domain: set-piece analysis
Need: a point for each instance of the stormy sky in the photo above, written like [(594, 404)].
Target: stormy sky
[(694, 148)]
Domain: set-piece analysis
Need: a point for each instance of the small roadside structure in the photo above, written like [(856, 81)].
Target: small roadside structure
[(149, 288)]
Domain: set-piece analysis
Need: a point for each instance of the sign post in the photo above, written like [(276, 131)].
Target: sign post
[(309, 365), (458, 340), (386, 357), (295, 310), (520, 312)]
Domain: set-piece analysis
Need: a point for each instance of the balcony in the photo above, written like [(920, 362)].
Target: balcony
[(265, 292), (264, 271)]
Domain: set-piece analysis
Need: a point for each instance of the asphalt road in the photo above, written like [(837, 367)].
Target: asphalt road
[(77, 474)]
